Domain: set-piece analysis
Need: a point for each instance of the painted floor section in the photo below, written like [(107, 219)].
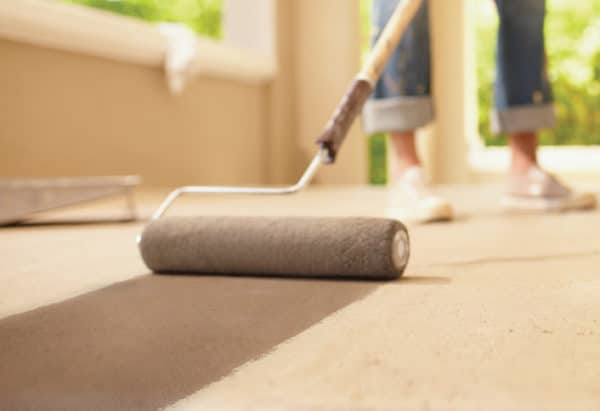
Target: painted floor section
[(147, 342), (495, 312)]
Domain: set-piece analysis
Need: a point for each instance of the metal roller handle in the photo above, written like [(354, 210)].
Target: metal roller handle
[(343, 117), (305, 179)]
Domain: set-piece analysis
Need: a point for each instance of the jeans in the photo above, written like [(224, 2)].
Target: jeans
[(522, 93)]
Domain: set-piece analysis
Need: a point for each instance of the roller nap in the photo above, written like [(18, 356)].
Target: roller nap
[(306, 247)]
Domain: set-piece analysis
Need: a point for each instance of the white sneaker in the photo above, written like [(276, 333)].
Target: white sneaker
[(419, 204), (538, 190)]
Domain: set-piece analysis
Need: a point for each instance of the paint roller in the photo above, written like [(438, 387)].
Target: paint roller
[(351, 247)]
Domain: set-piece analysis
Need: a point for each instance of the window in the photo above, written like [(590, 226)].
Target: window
[(245, 54), (202, 16)]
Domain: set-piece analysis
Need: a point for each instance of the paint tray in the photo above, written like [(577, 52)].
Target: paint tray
[(21, 198)]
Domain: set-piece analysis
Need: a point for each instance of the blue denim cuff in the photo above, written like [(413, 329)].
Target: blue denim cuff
[(522, 118), (397, 114)]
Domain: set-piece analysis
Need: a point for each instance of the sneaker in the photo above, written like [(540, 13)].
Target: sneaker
[(538, 190), (420, 204)]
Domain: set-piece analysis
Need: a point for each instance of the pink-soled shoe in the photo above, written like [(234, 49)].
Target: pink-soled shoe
[(538, 190)]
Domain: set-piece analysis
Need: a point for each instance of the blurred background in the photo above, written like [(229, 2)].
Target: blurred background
[(573, 46)]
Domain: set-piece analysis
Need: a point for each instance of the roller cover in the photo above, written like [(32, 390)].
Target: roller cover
[(276, 246)]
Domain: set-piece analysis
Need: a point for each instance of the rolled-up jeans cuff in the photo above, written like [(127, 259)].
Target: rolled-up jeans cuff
[(397, 114), (523, 118)]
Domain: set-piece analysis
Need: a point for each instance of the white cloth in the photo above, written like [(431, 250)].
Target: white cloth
[(180, 55)]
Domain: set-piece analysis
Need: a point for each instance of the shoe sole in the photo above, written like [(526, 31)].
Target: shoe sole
[(441, 213), (525, 204)]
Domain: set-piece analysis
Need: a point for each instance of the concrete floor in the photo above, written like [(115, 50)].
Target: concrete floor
[(495, 311)]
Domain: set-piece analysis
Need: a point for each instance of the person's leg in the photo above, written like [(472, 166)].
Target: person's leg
[(405, 149), (523, 105), (408, 75), (523, 96), (523, 149), (522, 93), (401, 103)]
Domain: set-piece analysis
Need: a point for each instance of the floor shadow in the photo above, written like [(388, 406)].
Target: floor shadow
[(424, 280), (517, 259), (289, 277), (68, 222)]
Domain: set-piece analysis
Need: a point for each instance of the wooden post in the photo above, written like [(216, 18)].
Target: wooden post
[(454, 90)]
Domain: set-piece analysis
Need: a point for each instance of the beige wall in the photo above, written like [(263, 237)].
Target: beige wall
[(285, 162), (70, 114)]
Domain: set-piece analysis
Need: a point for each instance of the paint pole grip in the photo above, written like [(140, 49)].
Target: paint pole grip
[(361, 88)]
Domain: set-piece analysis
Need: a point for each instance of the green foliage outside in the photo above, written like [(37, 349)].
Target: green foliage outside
[(376, 144), (573, 48), (377, 149), (202, 16)]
